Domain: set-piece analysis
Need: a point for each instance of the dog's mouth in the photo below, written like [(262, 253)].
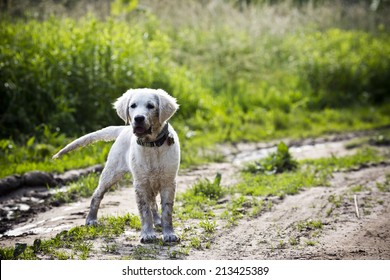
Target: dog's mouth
[(141, 131)]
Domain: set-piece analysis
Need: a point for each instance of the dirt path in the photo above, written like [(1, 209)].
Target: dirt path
[(274, 234), (283, 232)]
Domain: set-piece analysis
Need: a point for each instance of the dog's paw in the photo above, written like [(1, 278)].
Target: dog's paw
[(171, 237), (148, 238), (91, 222)]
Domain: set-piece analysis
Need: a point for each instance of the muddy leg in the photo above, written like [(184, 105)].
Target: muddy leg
[(107, 179), (167, 200), (156, 216), (114, 170), (145, 211)]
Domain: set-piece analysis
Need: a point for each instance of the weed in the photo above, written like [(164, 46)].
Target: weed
[(62, 255), (142, 252), (281, 244), (310, 243), (309, 225), (83, 187), (208, 226), (366, 212), (329, 211), (211, 190), (385, 186), (357, 188), (236, 210), (293, 241), (231, 220), (197, 199), (258, 206), (110, 248), (278, 162), (335, 200), (195, 243)]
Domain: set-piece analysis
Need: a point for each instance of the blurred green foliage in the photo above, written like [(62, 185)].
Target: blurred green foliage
[(58, 78)]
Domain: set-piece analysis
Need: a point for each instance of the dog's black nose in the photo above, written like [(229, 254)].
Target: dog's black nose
[(139, 119)]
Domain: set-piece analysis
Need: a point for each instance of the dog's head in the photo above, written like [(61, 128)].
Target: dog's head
[(147, 110)]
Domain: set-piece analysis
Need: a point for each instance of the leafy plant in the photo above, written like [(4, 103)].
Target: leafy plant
[(211, 190), (278, 162), (208, 226)]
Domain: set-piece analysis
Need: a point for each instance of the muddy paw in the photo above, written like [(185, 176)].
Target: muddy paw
[(91, 222), (168, 238), (148, 238)]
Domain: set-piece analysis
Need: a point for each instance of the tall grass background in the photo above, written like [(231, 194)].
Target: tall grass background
[(241, 71)]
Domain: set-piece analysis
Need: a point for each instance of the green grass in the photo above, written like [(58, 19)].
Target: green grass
[(197, 200), (83, 187), (208, 226), (309, 225), (19, 159), (310, 173), (75, 243), (385, 186)]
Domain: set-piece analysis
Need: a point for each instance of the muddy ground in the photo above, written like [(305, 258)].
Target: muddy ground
[(355, 224)]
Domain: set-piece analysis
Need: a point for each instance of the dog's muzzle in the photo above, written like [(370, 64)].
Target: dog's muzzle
[(139, 127), (141, 131)]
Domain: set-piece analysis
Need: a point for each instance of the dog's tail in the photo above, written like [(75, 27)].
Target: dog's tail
[(109, 133)]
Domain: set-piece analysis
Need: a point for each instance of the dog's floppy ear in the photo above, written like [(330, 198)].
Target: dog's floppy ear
[(121, 105), (167, 106)]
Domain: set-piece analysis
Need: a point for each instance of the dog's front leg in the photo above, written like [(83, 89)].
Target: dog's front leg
[(143, 202), (167, 200)]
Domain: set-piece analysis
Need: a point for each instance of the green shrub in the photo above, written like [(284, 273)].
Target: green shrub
[(342, 67), (65, 73), (277, 162), (211, 190)]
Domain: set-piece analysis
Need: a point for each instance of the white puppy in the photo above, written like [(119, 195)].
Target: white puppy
[(149, 149)]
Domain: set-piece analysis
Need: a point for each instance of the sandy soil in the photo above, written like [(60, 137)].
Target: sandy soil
[(275, 234)]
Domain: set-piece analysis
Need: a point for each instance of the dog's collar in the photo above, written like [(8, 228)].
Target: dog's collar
[(161, 138)]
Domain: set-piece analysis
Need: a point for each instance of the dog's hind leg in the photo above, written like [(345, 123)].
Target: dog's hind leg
[(114, 170), (107, 179)]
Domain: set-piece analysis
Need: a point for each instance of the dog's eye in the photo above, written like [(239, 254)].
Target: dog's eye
[(133, 105), (150, 106)]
